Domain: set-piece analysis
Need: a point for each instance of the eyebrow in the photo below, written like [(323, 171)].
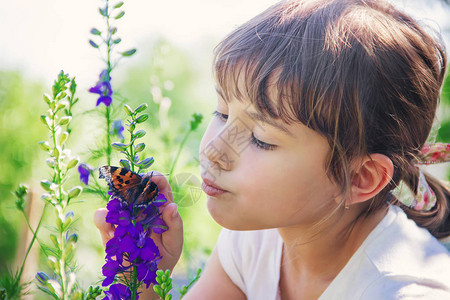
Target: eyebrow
[(264, 119), (260, 117)]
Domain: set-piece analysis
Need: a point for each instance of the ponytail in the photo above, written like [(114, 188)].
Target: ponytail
[(431, 206), (437, 219)]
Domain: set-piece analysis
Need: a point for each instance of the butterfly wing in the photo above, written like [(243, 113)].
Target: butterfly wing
[(123, 183), (149, 191)]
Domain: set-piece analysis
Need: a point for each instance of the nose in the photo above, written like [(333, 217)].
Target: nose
[(218, 153)]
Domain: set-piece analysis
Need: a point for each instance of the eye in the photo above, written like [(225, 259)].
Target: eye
[(253, 140), (221, 116), (260, 144)]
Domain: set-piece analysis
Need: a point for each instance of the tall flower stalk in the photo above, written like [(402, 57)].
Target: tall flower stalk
[(108, 41), (62, 285)]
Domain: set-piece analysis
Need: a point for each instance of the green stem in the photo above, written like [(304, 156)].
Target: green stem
[(178, 155), (108, 135), (57, 163), (32, 240), (134, 285), (108, 110), (62, 263)]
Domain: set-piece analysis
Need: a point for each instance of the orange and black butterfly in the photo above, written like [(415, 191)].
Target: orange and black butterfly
[(129, 186)]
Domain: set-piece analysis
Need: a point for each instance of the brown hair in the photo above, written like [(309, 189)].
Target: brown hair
[(359, 72)]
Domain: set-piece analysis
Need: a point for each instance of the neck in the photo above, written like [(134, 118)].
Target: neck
[(322, 256)]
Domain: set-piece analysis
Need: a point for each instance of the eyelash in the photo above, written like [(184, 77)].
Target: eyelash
[(253, 140)]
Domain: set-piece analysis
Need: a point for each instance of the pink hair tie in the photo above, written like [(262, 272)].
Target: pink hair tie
[(434, 154), (425, 199)]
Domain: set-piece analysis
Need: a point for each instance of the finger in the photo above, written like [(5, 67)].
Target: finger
[(172, 239), (106, 229), (162, 183)]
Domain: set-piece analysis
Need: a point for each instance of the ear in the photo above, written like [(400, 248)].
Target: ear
[(370, 177)]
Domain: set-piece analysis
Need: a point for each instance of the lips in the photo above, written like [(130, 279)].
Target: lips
[(212, 184)]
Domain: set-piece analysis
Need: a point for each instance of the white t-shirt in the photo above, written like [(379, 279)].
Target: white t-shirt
[(398, 260)]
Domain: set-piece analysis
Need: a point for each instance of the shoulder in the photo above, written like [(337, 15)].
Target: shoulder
[(405, 288), (250, 258), (409, 261)]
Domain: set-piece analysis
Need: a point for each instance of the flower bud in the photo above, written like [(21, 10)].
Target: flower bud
[(47, 99), (46, 197), (144, 164), (63, 137), (65, 120), (54, 240), (139, 147), (119, 146), (125, 164), (141, 107), (46, 185), (132, 127), (61, 96), (139, 134), (50, 162), (44, 145), (72, 163), (142, 118), (73, 238), (128, 110), (75, 191), (157, 289), (46, 120), (42, 278)]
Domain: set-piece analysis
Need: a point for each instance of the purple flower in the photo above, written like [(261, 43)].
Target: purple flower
[(103, 89), (85, 171), (131, 245), (117, 129), (109, 270), (146, 271), (118, 292)]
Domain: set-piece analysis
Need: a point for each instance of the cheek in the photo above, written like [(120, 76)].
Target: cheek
[(209, 134)]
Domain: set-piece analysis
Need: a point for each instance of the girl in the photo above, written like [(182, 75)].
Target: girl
[(323, 109)]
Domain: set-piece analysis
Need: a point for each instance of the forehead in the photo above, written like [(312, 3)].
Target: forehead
[(237, 93)]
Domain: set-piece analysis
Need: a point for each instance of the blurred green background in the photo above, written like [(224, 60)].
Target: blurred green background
[(164, 72)]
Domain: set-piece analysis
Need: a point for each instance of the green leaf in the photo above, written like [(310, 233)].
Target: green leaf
[(93, 44), (445, 93), (129, 52), (118, 5), (95, 31), (141, 107), (196, 120), (116, 41), (120, 15), (444, 132)]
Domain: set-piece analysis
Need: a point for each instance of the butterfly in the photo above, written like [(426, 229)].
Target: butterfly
[(129, 186)]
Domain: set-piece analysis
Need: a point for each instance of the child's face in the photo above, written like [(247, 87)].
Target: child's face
[(286, 186)]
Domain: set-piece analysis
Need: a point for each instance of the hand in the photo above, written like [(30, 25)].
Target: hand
[(170, 242)]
